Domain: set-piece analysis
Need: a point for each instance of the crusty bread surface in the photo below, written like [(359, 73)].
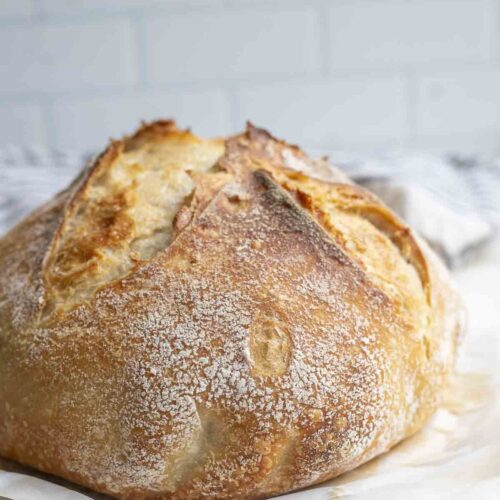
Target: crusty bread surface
[(210, 319)]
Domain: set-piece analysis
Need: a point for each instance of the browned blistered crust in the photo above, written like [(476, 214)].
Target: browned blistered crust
[(197, 319)]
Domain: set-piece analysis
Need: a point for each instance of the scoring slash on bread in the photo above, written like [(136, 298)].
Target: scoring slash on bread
[(196, 319)]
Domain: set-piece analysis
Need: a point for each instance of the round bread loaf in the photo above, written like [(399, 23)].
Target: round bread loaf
[(197, 319)]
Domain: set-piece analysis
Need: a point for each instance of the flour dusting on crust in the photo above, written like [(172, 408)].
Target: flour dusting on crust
[(266, 347)]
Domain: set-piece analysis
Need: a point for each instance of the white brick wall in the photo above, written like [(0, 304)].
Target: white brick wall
[(66, 57), (396, 34), (21, 120), (369, 111), (459, 102), (15, 9), (208, 112), (231, 45), (330, 74)]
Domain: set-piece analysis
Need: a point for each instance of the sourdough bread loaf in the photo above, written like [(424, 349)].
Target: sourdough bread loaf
[(206, 319)]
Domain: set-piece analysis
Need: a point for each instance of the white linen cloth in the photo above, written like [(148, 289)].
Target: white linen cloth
[(457, 455), (452, 202)]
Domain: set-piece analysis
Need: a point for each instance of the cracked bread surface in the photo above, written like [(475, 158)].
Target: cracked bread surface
[(197, 319)]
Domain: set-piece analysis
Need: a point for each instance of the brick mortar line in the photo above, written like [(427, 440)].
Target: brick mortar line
[(254, 80)]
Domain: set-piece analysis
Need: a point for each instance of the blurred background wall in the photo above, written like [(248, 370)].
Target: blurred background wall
[(359, 75)]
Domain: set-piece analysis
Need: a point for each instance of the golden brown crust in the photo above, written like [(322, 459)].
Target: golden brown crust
[(276, 332)]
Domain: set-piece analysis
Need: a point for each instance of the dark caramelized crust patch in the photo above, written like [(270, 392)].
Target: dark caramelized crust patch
[(108, 225)]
